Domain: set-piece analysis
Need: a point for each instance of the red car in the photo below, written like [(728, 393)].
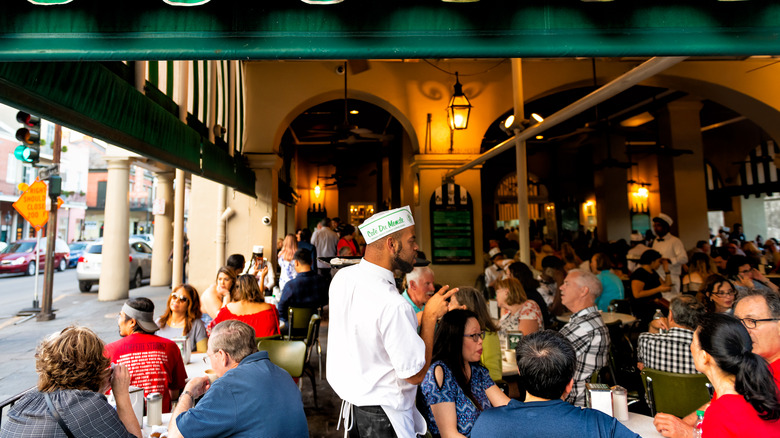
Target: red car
[(19, 256)]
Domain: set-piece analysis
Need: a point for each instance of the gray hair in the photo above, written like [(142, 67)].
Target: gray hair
[(235, 338), (588, 280), (417, 273), (771, 298), (686, 311)]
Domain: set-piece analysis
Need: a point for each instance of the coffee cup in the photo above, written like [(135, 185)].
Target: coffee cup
[(211, 374), (509, 356)]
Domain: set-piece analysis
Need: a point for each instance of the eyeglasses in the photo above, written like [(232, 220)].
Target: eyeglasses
[(180, 297), (742, 271), (751, 323), (723, 293), (476, 336)]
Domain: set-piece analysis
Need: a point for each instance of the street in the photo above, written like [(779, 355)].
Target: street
[(16, 290)]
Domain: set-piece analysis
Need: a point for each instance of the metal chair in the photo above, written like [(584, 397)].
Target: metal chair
[(672, 393), (298, 322), (290, 356)]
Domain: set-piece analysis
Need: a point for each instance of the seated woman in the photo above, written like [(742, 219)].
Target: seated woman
[(471, 299), (533, 289), (699, 268), (719, 294), (218, 294), (520, 312), (73, 374), (182, 318), (612, 285), (457, 388), (247, 305), (745, 402), (646, 286)]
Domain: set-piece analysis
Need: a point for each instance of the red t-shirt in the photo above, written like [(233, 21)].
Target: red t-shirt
[(154, 364), (265, 323)]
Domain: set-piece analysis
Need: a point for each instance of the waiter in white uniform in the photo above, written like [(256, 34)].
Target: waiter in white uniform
[(671, 248), (375, 357)]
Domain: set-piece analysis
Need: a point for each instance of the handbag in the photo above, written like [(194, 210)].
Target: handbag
[(54, 413)]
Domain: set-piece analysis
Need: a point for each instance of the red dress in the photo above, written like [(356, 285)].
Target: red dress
[(265, 323)]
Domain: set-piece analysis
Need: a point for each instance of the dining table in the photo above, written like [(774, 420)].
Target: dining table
[(641, 425)]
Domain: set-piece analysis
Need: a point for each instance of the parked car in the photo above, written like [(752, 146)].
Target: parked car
[(148, 238), (19, 256), (76, 249), (88, 267)]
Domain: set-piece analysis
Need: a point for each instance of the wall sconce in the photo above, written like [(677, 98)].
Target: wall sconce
[(639, 198), (459, 107)]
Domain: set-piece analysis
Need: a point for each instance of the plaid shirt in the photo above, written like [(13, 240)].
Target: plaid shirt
[(670, 352), (587, 332)]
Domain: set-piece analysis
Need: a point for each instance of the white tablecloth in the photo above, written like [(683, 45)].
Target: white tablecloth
[(642, 425), (199, 363)]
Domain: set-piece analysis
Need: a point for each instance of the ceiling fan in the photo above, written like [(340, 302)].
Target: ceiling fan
[(345, 132)]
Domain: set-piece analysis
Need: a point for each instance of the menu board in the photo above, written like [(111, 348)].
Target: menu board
[(452, 225)]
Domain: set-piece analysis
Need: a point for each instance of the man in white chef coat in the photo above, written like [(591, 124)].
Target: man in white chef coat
[(375, 357), (671, 248)]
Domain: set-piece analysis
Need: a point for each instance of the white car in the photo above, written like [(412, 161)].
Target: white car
[(88, 268)]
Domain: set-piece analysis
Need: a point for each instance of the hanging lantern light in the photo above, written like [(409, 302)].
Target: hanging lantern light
[(459, 107)]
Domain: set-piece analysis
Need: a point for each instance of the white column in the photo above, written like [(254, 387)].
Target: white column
[(178, 230), (114, 274), (163, 228), (521, 162)]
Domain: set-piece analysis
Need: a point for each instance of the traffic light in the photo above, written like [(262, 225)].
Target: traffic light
[(29, 134)]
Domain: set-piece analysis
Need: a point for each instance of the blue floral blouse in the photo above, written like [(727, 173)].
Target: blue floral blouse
[(450, 392)]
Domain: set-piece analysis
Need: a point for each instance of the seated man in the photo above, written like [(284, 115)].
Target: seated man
[(585, 329), (251, 398), (546, 362), (154, 362), (307, 289), (419, 289), (671, 351)]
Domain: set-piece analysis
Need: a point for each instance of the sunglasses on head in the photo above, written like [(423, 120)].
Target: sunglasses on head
[(180, 297)]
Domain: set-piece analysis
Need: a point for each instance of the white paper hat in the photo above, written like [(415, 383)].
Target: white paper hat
[(385, 223), (665, 218)]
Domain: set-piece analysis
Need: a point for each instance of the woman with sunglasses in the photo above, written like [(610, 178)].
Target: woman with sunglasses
[(719, 294), (182, 318), (457, 388), (745, 402)]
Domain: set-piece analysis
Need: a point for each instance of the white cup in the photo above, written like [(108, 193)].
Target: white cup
[(212, 375)]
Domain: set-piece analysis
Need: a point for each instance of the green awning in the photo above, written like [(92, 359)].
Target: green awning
[(90, 98), (357, 29)]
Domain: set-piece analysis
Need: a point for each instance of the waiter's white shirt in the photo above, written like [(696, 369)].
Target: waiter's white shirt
[(373, 345), (672, 248)]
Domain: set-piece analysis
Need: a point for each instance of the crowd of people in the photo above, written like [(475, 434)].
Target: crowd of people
[(427, 358)]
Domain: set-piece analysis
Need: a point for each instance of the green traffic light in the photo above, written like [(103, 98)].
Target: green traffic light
[(26, 154)]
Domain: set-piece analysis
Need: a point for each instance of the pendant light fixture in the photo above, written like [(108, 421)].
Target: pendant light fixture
[(459, 107)]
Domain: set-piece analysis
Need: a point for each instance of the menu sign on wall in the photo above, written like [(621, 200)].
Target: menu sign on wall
[(452, 225)]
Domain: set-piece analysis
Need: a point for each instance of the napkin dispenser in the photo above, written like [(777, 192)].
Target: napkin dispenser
[(136, 399), (184, 348), (598, 396)]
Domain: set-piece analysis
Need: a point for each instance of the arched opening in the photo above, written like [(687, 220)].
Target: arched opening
[(352, 151)]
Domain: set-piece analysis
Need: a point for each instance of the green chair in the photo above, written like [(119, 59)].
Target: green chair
[(290, 356), (672, 393), (298, 322), (258, 339)]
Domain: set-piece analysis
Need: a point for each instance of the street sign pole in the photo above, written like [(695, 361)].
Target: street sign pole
[(36, 307), (55, 187)]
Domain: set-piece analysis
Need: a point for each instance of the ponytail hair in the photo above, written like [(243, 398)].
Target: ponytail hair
[(725, 339)]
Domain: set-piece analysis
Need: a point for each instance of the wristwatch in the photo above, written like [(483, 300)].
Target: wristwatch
[(186, 392)]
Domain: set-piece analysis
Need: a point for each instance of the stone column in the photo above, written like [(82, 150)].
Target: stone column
[(611, 186), (163, 231), (114, 274), (178, 230), (681, 179)]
